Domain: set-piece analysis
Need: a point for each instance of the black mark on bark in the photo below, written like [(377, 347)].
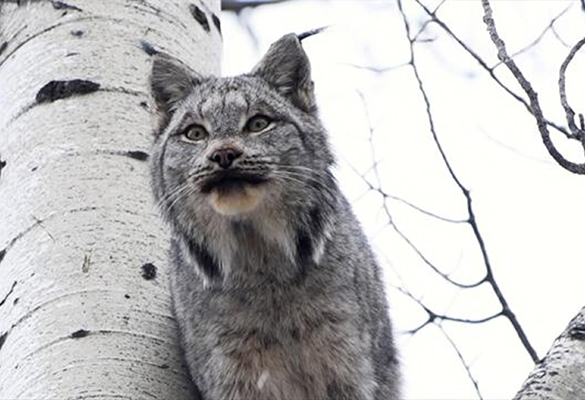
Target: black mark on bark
[(164, 366), (8, 294), (86, 263), (3, 47), (148, 271), (79, 334), (17, 2), (2, 165), (56, 90), (137, 155), (216, 22), (148, 48), (77, 32), (199, 16), (59, 5), (2, 254), (127, 296), (3, 339), (578, 332)]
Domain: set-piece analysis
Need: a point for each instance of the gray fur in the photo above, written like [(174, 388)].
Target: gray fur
[(275, 289)]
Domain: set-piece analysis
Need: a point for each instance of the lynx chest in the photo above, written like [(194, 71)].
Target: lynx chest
[(285, 343)]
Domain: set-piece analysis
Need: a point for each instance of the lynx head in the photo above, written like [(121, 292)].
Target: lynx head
[(245, 153)]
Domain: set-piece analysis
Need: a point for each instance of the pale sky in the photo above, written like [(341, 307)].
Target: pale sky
[(528, 209)]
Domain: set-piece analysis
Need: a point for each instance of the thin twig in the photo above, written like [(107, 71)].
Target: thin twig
[(378, 187), (378, 70), (386, 196), (548, 28), (435, 318), (416, 36), (462, 359)]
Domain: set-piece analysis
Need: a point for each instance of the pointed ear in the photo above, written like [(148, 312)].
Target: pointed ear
[(170, 82), (286, 67)]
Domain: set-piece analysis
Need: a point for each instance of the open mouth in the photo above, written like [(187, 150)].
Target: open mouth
[(230, 181)]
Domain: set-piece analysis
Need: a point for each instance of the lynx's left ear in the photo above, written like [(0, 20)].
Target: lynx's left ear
[(170, 82), (286, 67)]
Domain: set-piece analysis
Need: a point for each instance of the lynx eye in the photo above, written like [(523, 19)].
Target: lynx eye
[(195, 133), (258, 123)]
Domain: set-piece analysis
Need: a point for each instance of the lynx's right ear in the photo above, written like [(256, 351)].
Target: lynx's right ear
[(170, 82), (286, 67)]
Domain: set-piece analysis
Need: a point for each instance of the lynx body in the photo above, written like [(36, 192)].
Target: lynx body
[(275, 289)]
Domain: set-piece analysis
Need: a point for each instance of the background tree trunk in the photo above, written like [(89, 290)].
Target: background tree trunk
[(84, 304), (560, 374)]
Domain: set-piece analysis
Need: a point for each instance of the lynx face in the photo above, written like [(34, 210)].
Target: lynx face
[(245, 155), (234, 146)]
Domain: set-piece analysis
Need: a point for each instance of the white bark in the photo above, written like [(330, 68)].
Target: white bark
[(78, 319), (561, 374)]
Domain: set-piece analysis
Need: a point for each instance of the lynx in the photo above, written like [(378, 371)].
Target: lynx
[(275, 289)]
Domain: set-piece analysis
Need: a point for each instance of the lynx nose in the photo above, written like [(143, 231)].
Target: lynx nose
[(225, 157)]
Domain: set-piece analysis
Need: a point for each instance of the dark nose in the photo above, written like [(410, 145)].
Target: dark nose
[(225, 157)]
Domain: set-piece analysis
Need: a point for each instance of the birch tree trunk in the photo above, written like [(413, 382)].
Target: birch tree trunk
[(561, 374), (84, 303)]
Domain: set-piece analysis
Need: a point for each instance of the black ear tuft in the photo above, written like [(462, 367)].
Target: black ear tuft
[(312, 32), (170, 82), (286, 67)]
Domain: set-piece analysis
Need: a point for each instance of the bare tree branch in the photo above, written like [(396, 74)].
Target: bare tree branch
[(506, 310), (435, 318), (487, 68), (462, 320), (577, 132), (385, 196), (432, 266), (532, 95), (378, 187)]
